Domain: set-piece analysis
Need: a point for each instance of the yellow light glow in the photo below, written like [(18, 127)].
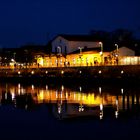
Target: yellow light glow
[(19, 72), (62, 72), (122, 72), (32, 72), (100, 72)]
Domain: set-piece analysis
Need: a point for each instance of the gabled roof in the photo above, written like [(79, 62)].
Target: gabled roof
[(88, 38)]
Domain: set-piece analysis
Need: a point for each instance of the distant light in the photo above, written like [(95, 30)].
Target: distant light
[(62, 88), (100, 90), (32, 72), (46, 87), (12, 60), (62, 72), (61, 95), (59, 109), (26, 106), (101, 53), (19, 85), (19, 72), (122, 72), (81, 108), (121, 90), (100, 72), (56, 94), (100, 43), (46, 72), (116, 114), (33, 87), (116, 102), (13, 96), (101, 107), (80, 88), (80, 71)]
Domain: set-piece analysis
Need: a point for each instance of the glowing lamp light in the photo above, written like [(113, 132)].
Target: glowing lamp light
[(12, 60), (116, 114), (46, 72), (62, 72), (101, 53), (32, 72), (80, 88), (80, 71), (62, 87), (122, 72), (100, 72), (19, 72), (121, 90)]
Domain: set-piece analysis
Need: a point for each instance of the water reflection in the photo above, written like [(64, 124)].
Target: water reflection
[(68, 103)]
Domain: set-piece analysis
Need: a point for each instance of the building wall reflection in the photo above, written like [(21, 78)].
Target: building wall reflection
[(69, 101)]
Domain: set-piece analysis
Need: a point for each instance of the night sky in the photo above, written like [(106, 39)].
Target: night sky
[(36, 21)]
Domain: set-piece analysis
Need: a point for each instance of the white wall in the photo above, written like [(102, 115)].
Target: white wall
[(71, 45), (59, 42)]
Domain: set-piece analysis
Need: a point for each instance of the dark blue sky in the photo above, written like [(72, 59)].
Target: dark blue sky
[(35, 21)]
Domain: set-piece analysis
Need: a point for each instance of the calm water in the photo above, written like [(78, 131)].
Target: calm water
[(50, 111)]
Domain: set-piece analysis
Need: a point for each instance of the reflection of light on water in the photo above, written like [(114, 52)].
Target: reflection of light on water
[(116, 102), (101, 111), (61, 95), (19, 91), (80, 88), (66, 95), (23, 91), (56, 94), (6, 96), (62, 88), (101, 115), (13, 96), (121, 90), (101, 101), (26, 106), (46, 87), (41, 95), (101, 107), (19, 85), (116, 114), (100, 90), (33, 87), (81, 108), (59, 108)]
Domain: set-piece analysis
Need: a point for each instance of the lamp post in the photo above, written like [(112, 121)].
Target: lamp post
[(59, 55), (117, 48), (117, 53), (101, 52), (80, 48)]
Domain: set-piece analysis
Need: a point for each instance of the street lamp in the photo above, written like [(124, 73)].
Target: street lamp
[(117, 53), (117, 48), (101, 52), (80, 48), (59, 55)]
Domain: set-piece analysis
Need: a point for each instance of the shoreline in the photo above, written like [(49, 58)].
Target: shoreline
[(96, 74)]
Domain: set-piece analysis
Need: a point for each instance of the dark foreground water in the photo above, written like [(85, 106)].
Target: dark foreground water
[(49, 111)]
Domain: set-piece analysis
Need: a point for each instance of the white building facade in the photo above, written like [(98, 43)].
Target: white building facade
[(66, 44)]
